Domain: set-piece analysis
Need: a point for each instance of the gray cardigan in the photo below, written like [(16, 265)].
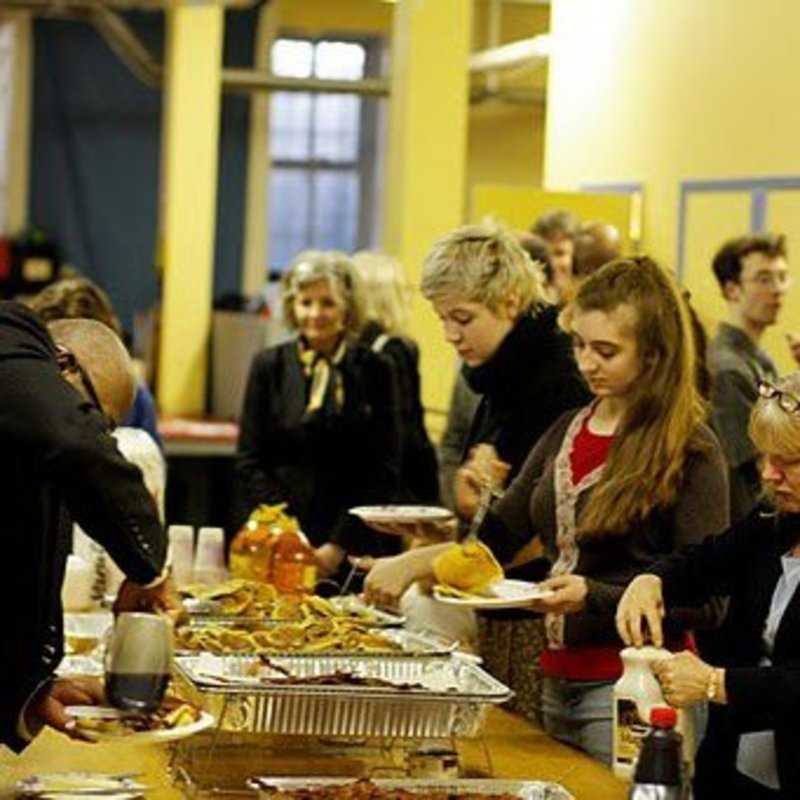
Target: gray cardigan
[(529, 508)]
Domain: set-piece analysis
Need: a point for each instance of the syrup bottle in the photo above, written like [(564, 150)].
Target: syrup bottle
[(294, 567)]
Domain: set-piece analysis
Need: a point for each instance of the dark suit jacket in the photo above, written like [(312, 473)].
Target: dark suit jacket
[(57, 462), (322, 463), (745, 563), (419, 469)]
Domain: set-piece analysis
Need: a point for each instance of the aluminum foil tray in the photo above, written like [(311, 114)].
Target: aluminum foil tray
[(453, 702), (412, 643), (524, 790), (204, 611)]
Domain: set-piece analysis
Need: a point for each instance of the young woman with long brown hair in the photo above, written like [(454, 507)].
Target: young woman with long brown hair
[(608, 489)]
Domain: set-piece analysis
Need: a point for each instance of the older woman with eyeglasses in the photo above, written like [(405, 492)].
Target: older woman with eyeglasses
[(320, 428), (752, 746)]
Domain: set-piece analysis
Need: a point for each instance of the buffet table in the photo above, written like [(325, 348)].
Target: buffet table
[(516, 748)]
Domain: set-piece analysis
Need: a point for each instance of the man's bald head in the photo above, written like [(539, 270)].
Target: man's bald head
[(101, 353)]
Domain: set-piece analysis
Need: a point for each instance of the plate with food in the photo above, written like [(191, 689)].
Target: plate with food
[(469, 575), (80, 784), (402, 514), (103, 723), (502, 594)]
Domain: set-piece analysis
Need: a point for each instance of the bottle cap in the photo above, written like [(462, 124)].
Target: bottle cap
[(663, 717)]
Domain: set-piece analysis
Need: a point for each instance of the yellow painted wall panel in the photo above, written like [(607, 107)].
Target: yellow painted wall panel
[(711, 218), (661, 92), (783, 216), (518, 207)]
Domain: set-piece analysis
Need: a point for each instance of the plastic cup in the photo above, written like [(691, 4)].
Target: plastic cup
[(181, 552), (209, 558)]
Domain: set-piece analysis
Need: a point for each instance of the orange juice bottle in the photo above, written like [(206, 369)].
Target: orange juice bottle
[(294, 568)]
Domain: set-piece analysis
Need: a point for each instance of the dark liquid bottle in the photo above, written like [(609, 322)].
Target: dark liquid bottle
[(659, 775), (136, 692)]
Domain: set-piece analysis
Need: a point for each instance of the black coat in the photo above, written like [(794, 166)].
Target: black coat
[(419, 469), (745, 563), (525, 386), (58, 462), (322, 463)]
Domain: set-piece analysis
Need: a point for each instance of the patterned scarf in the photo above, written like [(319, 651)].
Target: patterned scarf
[(327, 386)]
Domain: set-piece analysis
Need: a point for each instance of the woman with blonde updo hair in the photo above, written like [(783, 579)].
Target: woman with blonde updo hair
[(320, 424), (387, 302)]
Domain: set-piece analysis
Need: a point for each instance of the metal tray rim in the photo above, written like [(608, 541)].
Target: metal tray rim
[(524, 789), (497, 694)]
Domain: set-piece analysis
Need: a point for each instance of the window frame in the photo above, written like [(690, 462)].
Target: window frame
[(366, 166)]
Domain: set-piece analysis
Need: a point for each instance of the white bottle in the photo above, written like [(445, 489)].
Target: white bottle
[(635, 694)]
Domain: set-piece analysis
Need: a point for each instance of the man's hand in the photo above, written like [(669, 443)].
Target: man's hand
[(162, 598), (642, 601), (684, 679), (48, 705), (569, 595)]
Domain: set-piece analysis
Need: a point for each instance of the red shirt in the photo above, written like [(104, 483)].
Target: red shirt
[(589, 451), (598, 662)]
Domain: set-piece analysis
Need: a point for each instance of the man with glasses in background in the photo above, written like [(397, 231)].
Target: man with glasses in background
[(753, 275), (60, 392)]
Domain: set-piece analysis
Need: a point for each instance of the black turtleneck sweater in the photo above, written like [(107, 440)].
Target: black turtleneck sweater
[(525, 386)]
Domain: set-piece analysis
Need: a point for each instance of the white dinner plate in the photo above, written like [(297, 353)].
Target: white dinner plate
[(503, 594), (138, 737), (402, 514)]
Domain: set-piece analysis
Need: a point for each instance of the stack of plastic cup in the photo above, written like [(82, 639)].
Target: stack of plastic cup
[(181, 553), (209, 557)]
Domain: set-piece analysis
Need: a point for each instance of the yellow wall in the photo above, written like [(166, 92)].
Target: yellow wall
[(642, 90), (505, 144)]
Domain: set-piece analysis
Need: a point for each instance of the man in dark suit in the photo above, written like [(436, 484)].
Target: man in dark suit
[(57, 402)]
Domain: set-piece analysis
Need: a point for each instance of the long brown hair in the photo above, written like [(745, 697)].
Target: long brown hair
[(660, 425)]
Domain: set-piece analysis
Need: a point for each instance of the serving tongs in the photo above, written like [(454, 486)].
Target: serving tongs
[(489, 493)]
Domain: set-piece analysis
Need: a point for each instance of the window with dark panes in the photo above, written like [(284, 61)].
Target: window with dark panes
[(322, 152)]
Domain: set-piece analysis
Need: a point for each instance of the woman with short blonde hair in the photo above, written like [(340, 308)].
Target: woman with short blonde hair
[(485, 264)]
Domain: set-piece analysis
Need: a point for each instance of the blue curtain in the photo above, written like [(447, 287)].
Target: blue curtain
[(94, 174)]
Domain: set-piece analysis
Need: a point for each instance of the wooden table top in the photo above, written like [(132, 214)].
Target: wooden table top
[(515, 748)]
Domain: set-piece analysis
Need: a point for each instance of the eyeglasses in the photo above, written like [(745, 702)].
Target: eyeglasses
[(788, 402), (771, 280), (68, 362)]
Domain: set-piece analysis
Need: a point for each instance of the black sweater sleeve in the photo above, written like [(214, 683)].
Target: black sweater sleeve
[(103, 492), (379, 444)]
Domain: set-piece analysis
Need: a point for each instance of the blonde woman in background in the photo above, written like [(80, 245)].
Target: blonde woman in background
[(387, 304), (320, 426)]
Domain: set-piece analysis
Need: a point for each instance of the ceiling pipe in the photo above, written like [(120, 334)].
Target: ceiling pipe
[(251, 80), (528, 52)]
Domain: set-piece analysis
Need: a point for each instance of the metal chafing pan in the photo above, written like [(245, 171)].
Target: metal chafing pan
[(453, 702), (204, 611), (524, 790), (410, 642)]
